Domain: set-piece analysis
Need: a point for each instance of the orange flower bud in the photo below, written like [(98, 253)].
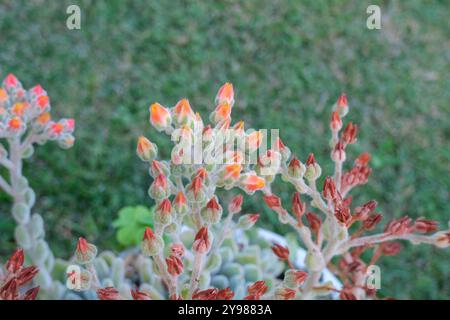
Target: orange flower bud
[(232, 172), (43, 102), (252, 183), (222, 113), (56, 128), (180, 203), (43, 118), (15, 123), (159, 117), (146, 150), (363, 159), (3, 96), (182, 112), (341, 105), (151, 244), (225, 94), (212, 213)]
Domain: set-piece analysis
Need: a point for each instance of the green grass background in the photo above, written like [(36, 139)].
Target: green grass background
[(288, 60)]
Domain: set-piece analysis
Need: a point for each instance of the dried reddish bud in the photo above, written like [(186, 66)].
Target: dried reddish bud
[(390, 248), (225, 294), (31, 294), (9, 290), (298, 207), (15, 262), (338, 153), (399, 227), (26, 275), (272, 201), (335, 122), (235, 205), (225, 94), (174, 265), (314, 221), (256, 290), (329, 189), (363, 212), (284, 293), (202, 242), (208, 294), (346, 294), (363, 159), (139, 295), (371, 222), (108, 293), (421, 225), (281, 252), (342, 214), (349, 134)]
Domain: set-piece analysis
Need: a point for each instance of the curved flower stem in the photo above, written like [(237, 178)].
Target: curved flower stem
[(196, 271)]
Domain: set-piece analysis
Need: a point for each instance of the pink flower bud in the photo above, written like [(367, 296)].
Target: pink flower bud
[(151, 244), (313, 170), (85, 252), (11, 82), (109, 293), (298, 207), (442, 239), (174, 265), (335, 122), (283, 293), (338, 153), (202, 242), (272, 201), (247, 221), (329, 189), (399, 226), (235, 205), (350, 132), (421, 225), (371, 222)]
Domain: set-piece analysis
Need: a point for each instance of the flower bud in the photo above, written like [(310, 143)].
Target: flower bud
[(329, 189), (342, 214), (313, 170), (231, 173), (11, 82), (85, 252), (256, 290), (16, 125), (296, 169), (202, 242), (364, 211), (294, 278), (3, 97), (349, 134), (283, 293), (151, 244), (157, 168), (146, 150), (253, 141), (196, 190), (174, 265), (159, 188), (221, 114), (247, 221), (109, 293), (314, 221), (160, 117), (270, 162), (422, 225), (180, 203), (341, 105), (225, 94), (140, 295), (163, 214), (225, 294), (15, 262), (284, 151), (338, 153), (442, 239), (281, 252), (235, 206), (298, 207), (182, 113), (390, 248), (371, 222), (335, 122), (251, 182), (212, 213)]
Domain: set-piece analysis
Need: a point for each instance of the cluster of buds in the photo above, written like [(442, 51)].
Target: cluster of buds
[(327, 233), (15, 276), (28, 111)]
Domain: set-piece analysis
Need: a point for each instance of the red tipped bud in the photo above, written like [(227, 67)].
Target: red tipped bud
[(85, 252), (174, 265), (371, 222), (151, 244), (247, 221), (256, 290), (163, 213), (341, 105), (145, 149), (139, 295), (235, 205), (159, 188), (329, 189), (225, 294), (202, 243), (180, 203), (350, 132), (281, 252), (390, 248), (15, 262), (338, 153), (296, 169), (421, 225), (313, 170), (283, 293), (108, 293), (225, 94), (212, 212), (272, 201), (314, 221), (335, 122)]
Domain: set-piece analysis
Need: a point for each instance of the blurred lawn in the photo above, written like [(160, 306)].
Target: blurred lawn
[(288, 62)]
